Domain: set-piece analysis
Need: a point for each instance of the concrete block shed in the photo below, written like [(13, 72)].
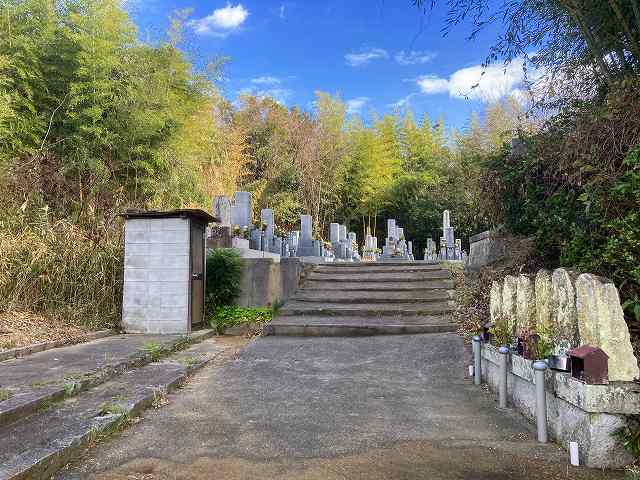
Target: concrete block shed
[(164, 270)]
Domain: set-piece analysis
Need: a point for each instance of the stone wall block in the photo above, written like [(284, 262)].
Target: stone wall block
[(563, 298), (601, 323), (509, 301), (495, 301), (545, 310), (525, 305)]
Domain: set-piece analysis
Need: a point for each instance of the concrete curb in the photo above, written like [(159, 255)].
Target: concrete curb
[(18, 407), (69, 449), (41, 347)]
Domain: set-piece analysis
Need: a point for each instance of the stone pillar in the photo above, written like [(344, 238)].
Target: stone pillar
[(545, 312), (564, 303), (525, 306), (509, 301), (601, 323), (495, 301)]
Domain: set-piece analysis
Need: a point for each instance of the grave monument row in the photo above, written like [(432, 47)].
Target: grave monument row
[(450, 247)]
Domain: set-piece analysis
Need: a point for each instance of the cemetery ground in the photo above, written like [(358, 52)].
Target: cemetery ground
[(379, 407)]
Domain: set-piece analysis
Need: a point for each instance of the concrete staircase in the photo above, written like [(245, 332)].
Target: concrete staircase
[(58, 402), (350, 299)]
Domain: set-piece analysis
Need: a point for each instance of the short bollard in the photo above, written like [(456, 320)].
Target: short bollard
[(541, 401), (502, 387), (477, 365)]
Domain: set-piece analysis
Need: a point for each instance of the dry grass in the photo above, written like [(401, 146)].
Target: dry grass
[(20, 329), (57, 270)]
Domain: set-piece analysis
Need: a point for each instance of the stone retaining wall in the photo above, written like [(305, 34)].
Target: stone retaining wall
[(266, 281), (587, 414), (567, 310), (484, 249)]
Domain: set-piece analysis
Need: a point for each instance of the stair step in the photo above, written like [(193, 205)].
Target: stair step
[(316, 295), (364, 286), (357, 325), (45, 377), (380, 277), (362, 320), (295, 308), (373, 268), (38, 446)]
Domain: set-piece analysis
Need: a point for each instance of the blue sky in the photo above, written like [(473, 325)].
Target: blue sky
[(377, 54)]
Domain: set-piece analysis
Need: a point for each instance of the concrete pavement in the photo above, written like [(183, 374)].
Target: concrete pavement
[(381, 407)]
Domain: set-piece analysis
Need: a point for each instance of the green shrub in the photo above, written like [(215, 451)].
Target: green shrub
[(230, 316), (224, 273)]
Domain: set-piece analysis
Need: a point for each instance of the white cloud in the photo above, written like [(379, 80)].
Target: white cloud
[(221, 22), (431, 84), (266, 80), (413, 57), (487, 84), (354, 106), (403, 102), (364, 57)]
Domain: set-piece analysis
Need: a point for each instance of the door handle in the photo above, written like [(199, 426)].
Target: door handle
[(197, 276)]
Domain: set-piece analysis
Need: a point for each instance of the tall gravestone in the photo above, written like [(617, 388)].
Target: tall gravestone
[(241, 209), (266, 217), (391, 229), (222, 209), (334, 232), (305, 244)]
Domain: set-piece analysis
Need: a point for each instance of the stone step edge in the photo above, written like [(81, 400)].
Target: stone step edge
[(308, 287), (55, 460), (362, 300), (41, 347), (365, 312), (346, 330), (98, 377), (341, 277), (378, 269)]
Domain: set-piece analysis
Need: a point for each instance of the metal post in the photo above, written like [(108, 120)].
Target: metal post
[(541, 401), (502, 387), (477, 362)]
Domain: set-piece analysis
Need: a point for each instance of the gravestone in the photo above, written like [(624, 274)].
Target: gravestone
[(255, 238), (241, 209), (266, 218), (334, 232), (399, 233), (391, 229), (305, 244), (222, 209), (601, 323), (342, 233), (447, 230)]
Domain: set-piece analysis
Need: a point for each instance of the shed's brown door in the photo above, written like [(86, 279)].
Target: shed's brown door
[(197, 272)]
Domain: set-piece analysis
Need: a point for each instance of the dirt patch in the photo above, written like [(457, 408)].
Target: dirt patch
[(401, 461), (21, 329)]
